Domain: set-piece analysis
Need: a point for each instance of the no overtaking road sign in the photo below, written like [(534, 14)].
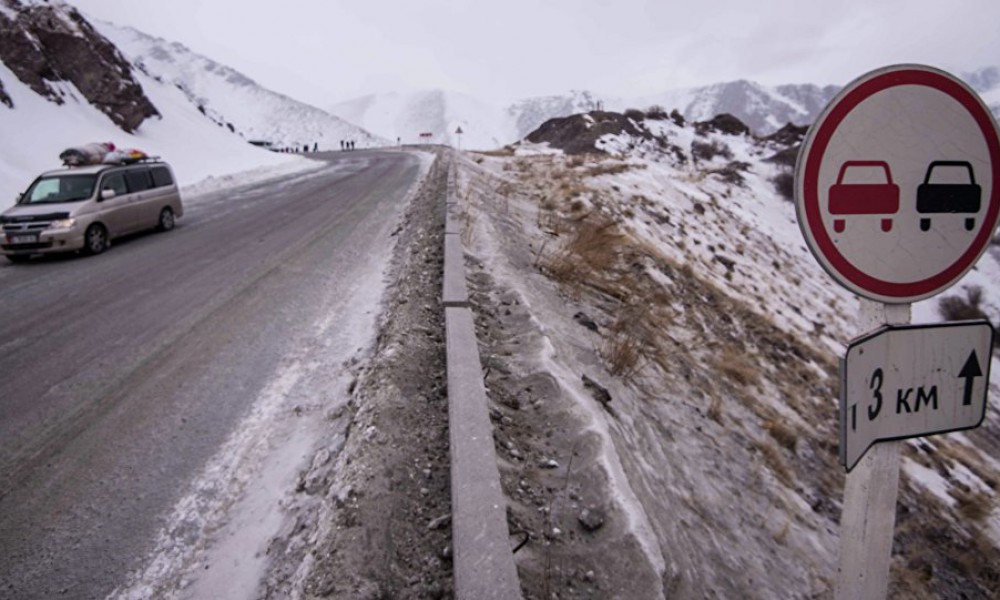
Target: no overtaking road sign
[(898, 183)]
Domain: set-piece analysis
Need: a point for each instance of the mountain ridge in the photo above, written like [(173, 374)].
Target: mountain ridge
[(231, 99), (764, 108)]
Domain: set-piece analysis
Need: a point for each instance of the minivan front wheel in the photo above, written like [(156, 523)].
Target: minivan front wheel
[(166, 222), (95, 240)]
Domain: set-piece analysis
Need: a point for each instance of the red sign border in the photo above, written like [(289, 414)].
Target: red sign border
[(820, 241)]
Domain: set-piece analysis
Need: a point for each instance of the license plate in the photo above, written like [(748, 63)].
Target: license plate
[(24, 238)]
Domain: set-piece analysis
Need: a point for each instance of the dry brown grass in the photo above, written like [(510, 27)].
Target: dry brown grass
[(631, 339), (715, 409), (610, 168), (738, 367), (499, 152), (973, 505), (971, 459), (782, 433), (573, 188), (593, 250), (623, 354), (776, 463)]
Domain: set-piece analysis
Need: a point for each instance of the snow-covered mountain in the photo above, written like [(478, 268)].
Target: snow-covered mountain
[(441, 113), (63, 84), (233, 100), (764, 109), (437, 112), (47, 45), (530, 113), (987, 83)]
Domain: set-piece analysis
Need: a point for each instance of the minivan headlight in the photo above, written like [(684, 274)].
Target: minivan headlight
[(62, 223)]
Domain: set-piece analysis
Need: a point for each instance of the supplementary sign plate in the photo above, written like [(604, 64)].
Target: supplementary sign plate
[(913, 380)]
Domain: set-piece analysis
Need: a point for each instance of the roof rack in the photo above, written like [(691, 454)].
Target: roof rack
[(144, 159)]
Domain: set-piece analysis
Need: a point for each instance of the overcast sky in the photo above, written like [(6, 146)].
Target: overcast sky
[(324, 51)]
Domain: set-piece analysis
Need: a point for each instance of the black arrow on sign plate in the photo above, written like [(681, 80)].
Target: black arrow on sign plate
[(969, 372)]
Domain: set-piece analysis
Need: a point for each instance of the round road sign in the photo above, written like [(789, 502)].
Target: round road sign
[(897, 185)]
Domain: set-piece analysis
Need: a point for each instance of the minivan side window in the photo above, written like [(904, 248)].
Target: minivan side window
[(138, 180), (116, 182), (161, 176)]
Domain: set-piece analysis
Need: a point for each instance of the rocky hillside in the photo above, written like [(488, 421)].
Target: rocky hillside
[(661, 350), (46, 44)]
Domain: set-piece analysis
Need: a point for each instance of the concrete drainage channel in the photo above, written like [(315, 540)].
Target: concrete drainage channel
[(483, 561)]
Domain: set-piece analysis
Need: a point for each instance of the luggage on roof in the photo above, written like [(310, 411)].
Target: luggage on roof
[(101, 153)]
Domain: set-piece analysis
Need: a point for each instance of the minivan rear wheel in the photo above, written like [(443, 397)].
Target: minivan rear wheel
[(166, 222), (95, 240)]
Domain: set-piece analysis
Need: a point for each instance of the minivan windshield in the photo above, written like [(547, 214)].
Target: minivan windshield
[(60, 188)]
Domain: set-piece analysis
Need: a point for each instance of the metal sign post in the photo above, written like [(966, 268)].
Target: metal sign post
[(897, 193)]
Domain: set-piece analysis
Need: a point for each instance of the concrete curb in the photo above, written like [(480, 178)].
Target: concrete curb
[(452, 221), (483, 561)]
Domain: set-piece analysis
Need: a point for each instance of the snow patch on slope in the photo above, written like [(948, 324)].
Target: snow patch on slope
[(232, 100)]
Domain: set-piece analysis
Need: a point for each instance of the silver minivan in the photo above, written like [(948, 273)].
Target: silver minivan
[(84, 208)]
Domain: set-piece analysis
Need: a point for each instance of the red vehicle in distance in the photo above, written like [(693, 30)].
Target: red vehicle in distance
[(863, 198)]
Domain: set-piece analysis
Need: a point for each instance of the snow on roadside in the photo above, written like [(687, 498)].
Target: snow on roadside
[(215, 542)]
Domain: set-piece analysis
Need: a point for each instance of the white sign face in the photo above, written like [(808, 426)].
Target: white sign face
[(898, 183), (913, 380)]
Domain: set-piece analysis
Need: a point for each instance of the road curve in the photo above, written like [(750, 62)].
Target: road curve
[(122, 374)]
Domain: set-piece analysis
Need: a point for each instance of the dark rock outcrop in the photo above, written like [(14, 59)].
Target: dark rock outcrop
[(724, 123), (789, 135), (578, 134), (786, 157), (4, 97), (51, 43)]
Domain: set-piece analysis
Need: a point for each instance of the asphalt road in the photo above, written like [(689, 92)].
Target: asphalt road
[(122, 374)]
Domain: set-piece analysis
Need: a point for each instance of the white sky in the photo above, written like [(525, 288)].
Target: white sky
[(325, 51)]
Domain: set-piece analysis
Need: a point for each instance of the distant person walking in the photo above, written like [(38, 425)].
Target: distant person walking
[(341, 145), (315, 146)]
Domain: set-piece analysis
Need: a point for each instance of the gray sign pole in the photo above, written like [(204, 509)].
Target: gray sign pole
[(869, 511)]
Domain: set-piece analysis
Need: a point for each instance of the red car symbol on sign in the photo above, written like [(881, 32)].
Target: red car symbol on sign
[(949, 197), (864, 198)]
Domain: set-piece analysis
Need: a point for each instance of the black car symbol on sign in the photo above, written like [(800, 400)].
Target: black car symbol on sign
[(864, 198), (962, 198)]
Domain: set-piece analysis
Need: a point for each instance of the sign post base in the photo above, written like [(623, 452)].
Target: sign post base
[(869, 511)]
